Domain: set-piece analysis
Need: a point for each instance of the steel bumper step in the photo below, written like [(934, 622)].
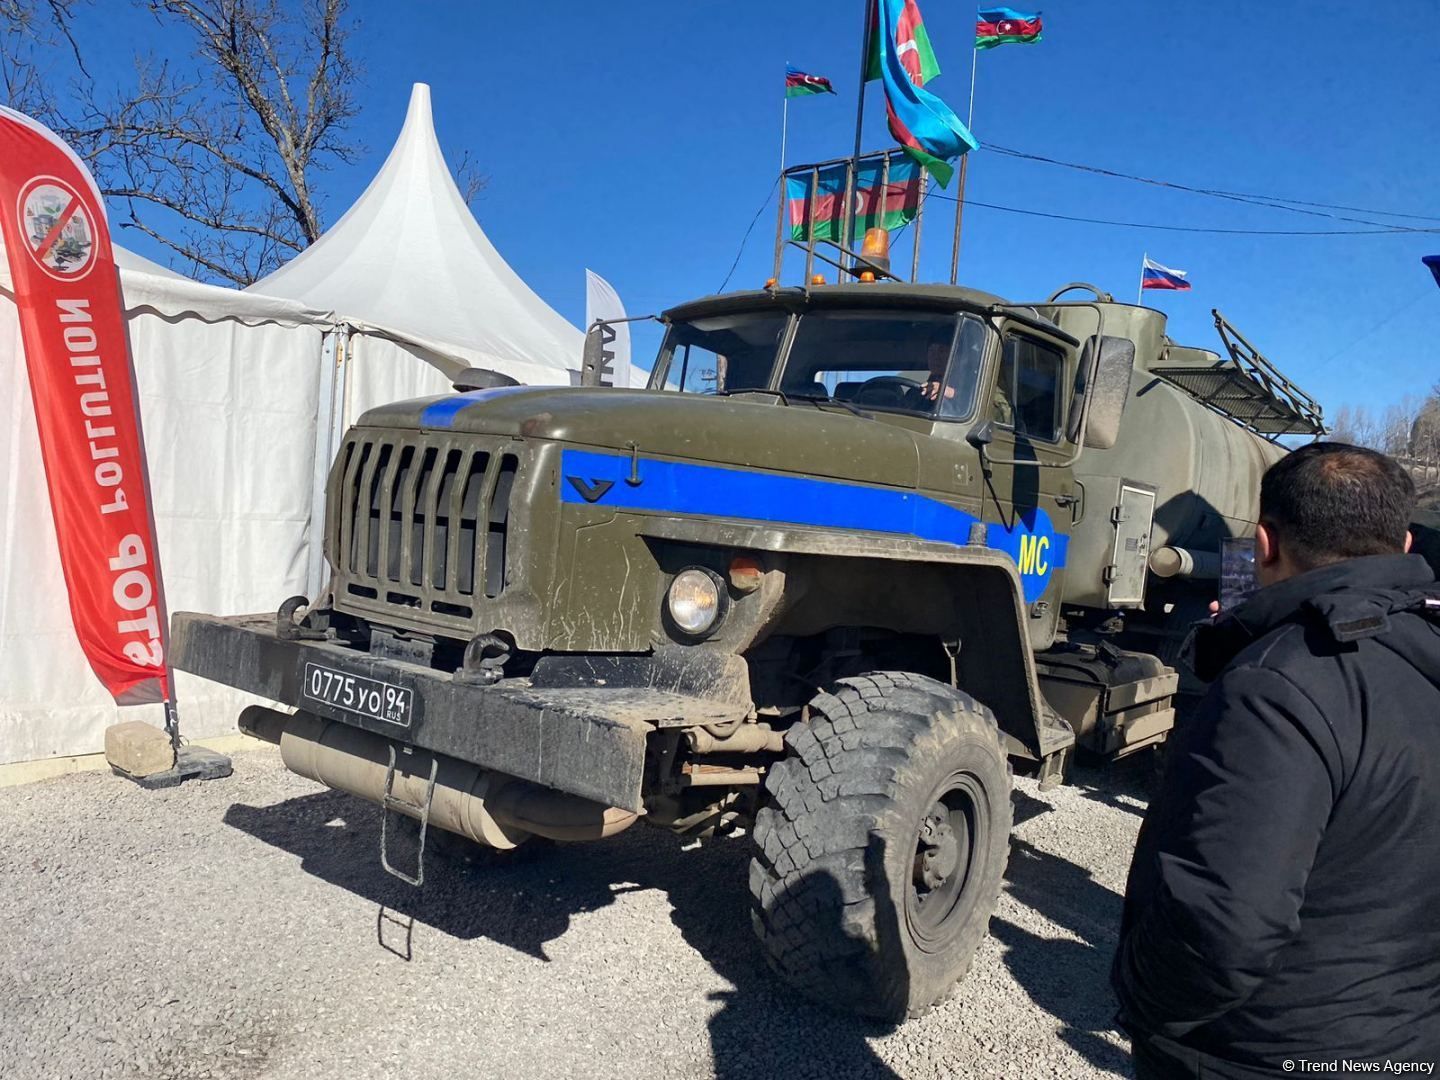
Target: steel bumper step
[(587, 742)]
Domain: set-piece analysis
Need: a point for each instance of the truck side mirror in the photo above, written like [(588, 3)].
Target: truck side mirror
[(598, 359), (1106, 365), (981, 435)]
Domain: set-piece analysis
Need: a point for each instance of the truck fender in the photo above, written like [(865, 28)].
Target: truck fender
[(995, 661)]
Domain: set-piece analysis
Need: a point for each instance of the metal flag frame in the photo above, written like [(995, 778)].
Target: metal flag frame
[(845, 257)]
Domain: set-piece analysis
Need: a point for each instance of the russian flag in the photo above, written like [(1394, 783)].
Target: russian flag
[(1155, 276)]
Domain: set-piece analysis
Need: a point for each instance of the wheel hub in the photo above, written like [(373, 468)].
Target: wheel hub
[(937, 855)]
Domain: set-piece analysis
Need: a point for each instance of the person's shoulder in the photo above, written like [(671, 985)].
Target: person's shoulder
[(1281, 649), (1285, 667)]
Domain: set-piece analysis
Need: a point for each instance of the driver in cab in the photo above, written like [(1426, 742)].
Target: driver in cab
[(937, 357), (950, 395)]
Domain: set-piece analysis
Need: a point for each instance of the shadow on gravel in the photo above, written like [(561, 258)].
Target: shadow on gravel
[(1127, 784), (337, 839), (1068, 979), (1027, 807), (760, 1029), (763, 1028)]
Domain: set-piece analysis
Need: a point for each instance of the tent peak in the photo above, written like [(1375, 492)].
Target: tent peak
[(409, 256), (418, 114)]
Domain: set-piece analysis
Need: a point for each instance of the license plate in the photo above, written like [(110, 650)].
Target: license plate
[(356, 693)]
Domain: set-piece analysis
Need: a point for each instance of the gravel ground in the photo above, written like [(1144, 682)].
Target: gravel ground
[(244, 928)]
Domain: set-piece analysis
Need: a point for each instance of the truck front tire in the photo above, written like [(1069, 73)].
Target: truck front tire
[(882, 844)]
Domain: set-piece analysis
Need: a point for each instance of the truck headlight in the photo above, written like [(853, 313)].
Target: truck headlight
[(696, 601)]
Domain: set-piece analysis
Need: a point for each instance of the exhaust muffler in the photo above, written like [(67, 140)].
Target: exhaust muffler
[(488, 807)]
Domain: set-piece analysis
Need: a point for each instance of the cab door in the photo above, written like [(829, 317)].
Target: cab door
[(1028, 507)]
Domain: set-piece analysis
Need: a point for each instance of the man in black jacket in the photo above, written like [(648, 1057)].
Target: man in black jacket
[(1282, 916)]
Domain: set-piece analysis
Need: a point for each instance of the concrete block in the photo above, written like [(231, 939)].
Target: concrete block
[(138, 749)]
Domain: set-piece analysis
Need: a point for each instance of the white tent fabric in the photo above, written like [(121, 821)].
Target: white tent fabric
[(126, 259), (243, 398), (229, 398), (411, 258)]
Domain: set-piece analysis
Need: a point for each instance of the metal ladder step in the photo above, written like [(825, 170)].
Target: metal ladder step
[(389, 804)]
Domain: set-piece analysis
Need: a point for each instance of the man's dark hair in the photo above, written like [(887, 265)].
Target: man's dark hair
[(1330, 501)]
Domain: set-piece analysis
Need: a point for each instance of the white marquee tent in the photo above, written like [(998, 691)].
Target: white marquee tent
[(229, 390), (411, 257), (243, 398)]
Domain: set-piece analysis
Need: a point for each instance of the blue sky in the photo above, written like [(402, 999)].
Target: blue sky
[(641, 139)]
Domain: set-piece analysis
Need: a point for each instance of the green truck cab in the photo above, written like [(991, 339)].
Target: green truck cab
[(857, 553)]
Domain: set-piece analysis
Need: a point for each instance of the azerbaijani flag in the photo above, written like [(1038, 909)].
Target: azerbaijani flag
[(925, 126), (912, 43), (879, 199), (799, 84), (1155, 276), (1005, 26)]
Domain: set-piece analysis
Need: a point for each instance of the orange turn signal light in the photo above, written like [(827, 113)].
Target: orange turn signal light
[(867, 275), (818, 279), (745, 573)]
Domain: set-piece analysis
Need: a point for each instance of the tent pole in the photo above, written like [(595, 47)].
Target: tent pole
[(331, 350)]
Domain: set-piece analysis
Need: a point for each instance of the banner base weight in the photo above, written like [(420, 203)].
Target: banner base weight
[(191, 763)]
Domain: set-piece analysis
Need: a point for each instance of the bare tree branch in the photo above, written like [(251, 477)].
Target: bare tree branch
[(469, 179), (215, 159), (214, 156), (30, 31)]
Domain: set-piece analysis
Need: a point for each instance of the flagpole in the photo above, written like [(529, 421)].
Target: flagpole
[(964, 172), (784, 124), (1140, 292), (780, 212), (859, 131)]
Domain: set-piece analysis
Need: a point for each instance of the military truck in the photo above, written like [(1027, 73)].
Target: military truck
[(858, 552)]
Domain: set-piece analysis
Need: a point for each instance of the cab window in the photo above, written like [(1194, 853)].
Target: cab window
[(925, 363), (720, 355), (1027, 391)]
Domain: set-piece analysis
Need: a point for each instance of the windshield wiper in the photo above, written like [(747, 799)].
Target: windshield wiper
[(754, 390), (829, 400)]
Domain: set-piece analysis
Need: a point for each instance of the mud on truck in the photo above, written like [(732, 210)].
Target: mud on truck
[(857, 553)]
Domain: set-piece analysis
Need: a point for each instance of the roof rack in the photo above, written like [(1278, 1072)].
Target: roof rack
[(1247, 388)]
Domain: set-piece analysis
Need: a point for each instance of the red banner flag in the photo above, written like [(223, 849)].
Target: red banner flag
[(78, 357)]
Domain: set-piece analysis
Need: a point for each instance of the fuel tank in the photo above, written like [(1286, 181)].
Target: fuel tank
[(1203, 467)]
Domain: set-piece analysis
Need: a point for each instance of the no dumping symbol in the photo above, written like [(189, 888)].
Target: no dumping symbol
[(57, 226)]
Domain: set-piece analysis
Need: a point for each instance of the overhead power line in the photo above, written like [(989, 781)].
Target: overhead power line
[(1391, 317), (1271, 202), (1381, 231), (1277, 202), (746, 238)]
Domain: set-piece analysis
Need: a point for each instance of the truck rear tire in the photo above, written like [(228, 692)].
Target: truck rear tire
[(882, 844)]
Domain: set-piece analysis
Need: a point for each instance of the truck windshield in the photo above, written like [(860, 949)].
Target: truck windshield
[(926, 363), (721, 354), (920, 362)]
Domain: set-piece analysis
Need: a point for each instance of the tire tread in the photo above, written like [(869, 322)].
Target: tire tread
[(839, 783)]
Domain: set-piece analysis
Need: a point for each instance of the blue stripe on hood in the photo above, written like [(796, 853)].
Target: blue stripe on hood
[(441, 414), (675, 487)]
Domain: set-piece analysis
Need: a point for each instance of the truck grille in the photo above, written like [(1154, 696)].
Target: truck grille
[(420, 523)]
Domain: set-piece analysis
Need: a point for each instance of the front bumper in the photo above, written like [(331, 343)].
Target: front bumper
[(585, 741)]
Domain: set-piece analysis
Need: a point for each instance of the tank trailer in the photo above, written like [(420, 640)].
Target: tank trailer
[(857, 553)]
